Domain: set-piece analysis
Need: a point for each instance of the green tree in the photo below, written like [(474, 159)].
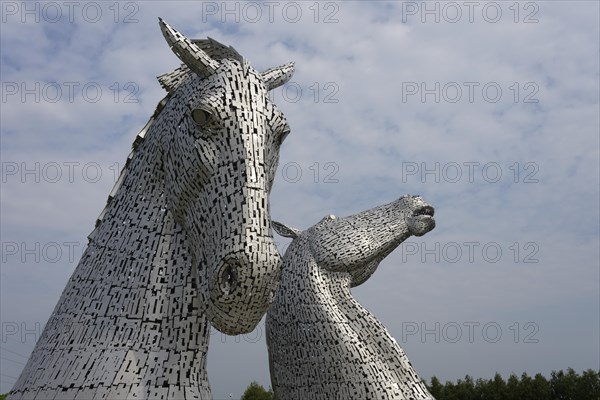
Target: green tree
[(588, 385), (563, 385), (493, 389), (255, 391), (436, 388), (525, 389), (450, 392), (481, 388), (540, 388), (498, 387), (512, 388), (465, 388)]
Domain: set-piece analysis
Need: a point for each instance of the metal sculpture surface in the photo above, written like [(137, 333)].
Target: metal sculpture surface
[(322, 343), (184, 241)]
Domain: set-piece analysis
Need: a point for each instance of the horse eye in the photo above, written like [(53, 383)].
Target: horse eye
[(201, 117)]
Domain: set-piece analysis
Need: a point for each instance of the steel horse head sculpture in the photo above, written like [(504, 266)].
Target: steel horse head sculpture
[(184, 241), (322, 343)]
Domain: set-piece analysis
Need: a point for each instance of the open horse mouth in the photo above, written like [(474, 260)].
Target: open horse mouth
[(425, 210), (421, 221)]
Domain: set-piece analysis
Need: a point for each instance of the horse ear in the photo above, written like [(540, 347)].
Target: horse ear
[(191, 55), (278, 76), (285, 230), (171, 80)]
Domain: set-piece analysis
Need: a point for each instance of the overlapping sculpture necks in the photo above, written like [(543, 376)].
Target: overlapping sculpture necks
[(322, 343), (183, 242)]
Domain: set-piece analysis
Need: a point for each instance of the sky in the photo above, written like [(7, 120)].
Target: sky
[(488, 110)]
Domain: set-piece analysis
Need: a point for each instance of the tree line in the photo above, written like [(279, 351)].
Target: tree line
[(561, 385)]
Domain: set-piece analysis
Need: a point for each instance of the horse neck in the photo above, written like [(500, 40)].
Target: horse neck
[(132, 300), (319, 286), (324, 292), (154, 255), (314, 308), (135, 218)]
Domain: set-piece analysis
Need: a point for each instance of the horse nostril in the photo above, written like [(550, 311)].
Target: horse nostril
[(228, 278)]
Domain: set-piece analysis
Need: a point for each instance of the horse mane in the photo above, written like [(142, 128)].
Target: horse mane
[(139, 138), (170, 81)]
